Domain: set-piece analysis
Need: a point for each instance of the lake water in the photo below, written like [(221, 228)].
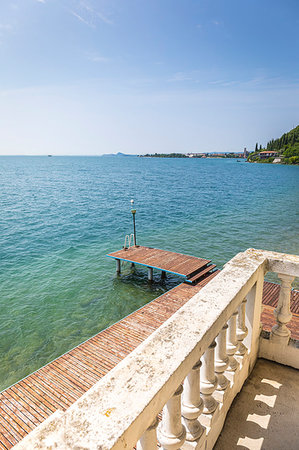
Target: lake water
[(61, 215)]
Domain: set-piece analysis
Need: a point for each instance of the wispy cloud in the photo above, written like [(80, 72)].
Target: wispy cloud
[(217, 82), (81, 19), (5, 30), (96, 13), (257, 82), (41, 1), (180, 76), (228, 83), (5, 26), (88, 14), (185, 76), (104, 18), (94, 57)]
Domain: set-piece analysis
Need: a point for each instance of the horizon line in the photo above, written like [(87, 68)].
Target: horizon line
[(126, 154)]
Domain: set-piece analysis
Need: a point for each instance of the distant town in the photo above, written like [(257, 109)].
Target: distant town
[(284, 150), (243, 154)]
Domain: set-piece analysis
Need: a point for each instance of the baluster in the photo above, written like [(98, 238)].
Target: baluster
[(280, 332), (148, 440), (192, 404), (242, 330), (232, 343), (171, 432), (253, 317), (221, 359), (209, 380)]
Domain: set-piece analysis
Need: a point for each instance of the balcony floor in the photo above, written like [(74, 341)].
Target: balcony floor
[(264, 415)]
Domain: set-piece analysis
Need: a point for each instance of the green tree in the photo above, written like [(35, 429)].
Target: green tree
[(287, 146)]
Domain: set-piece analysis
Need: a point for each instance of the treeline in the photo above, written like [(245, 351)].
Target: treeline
[(287, 148), (165, 155), (287, 140), (182, 155)]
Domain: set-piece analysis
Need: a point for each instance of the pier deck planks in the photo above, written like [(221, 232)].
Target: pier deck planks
[(177, 263), (60, 383)]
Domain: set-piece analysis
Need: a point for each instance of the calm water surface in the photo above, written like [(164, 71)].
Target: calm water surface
[(61, 215)]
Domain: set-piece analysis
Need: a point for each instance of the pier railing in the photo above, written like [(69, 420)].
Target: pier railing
[(190, 369), (129, 240)]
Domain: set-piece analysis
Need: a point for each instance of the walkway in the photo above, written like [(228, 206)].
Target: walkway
[(264, 415)]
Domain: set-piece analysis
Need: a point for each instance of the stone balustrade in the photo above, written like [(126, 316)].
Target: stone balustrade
[(280, 332), (192, 404), (232, 343), (221, 359), (191, 368), (241, 329)]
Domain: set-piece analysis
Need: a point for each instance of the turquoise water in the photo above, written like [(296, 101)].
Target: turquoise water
[(61, 215)]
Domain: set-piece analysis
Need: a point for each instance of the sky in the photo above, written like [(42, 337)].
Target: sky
[(88, 77)]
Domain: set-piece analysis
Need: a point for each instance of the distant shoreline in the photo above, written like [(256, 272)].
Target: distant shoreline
[(195, 156)]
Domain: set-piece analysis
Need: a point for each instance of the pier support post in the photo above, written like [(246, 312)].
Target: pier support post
[(117, 266), (150, 273), (163, 275)]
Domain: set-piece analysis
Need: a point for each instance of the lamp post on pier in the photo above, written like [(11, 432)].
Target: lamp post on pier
[(133, 211)]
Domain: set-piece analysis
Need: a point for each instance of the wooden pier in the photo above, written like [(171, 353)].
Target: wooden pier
[(60, 383), (189, 267)]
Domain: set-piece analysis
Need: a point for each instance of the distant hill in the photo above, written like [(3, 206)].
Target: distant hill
[(287, 147), (117, 154)]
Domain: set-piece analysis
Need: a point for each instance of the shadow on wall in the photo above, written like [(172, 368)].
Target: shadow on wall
[(264, 415)]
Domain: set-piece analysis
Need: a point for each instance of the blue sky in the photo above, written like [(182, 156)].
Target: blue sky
[(89, 77)]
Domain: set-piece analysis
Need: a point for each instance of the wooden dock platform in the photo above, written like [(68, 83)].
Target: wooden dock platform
[(60, 383), (176, 263)]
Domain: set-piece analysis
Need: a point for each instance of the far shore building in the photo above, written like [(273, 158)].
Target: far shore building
[(268, 154), (218, 155), (196, 155)]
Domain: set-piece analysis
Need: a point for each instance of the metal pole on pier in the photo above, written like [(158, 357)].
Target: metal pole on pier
[(133, 211)]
